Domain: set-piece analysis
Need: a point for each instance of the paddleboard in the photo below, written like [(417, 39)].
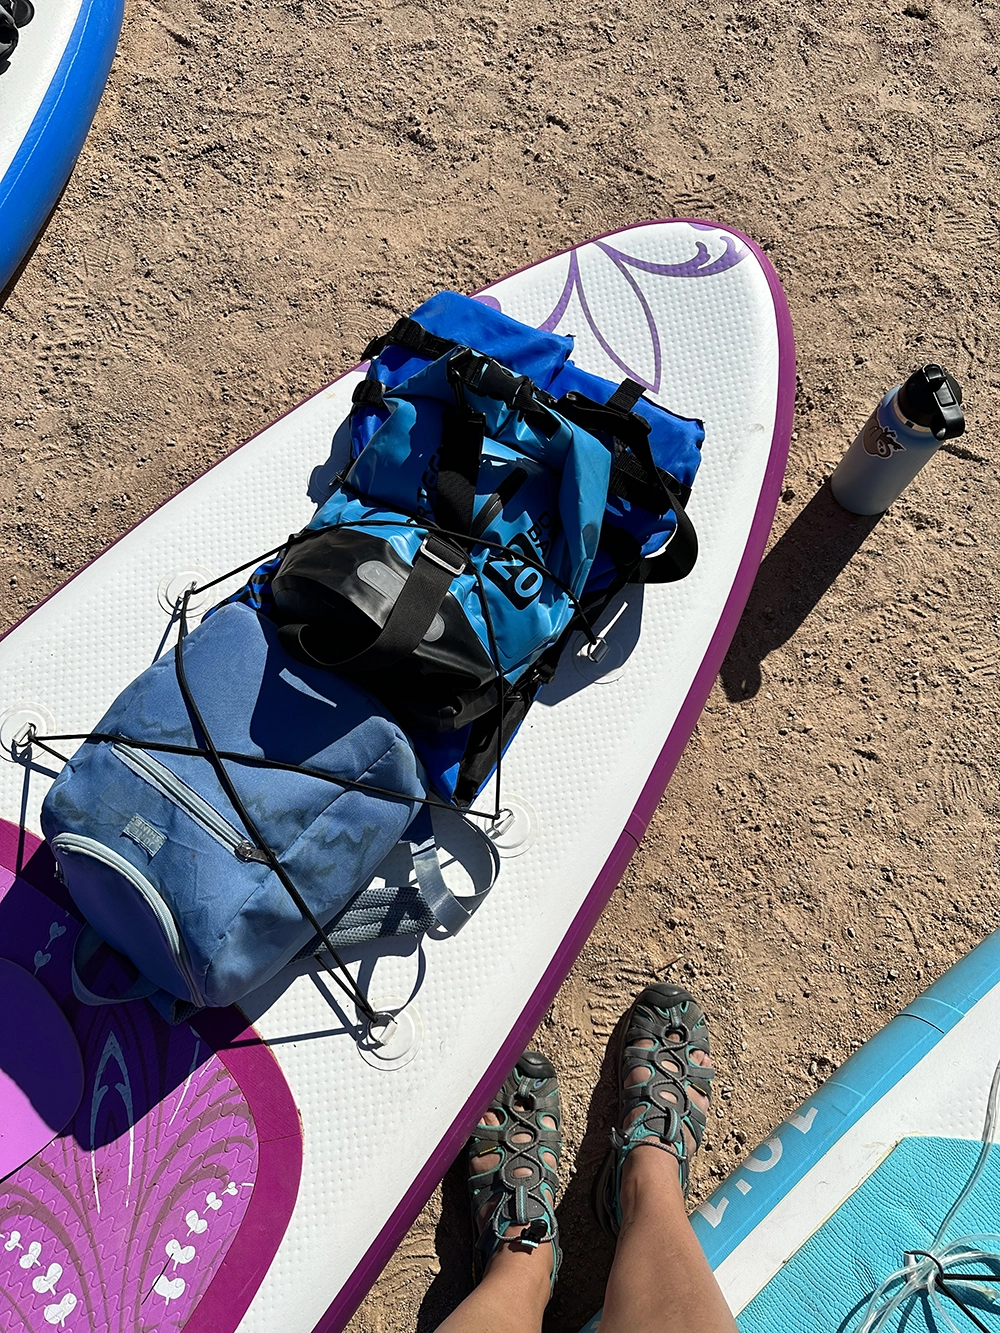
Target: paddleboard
[(694, 312), (50, 85), (822, 1212)]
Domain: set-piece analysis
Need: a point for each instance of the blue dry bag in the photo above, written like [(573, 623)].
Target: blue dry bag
[(497, 496)]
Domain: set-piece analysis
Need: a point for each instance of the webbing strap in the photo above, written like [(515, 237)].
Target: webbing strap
[(450, 911), (635, 476), (672, 562), (408, 334), (626, 426), (369, 393), (632, 481), (459, 459), (625, 396), (677, 559), (483, 375), (437, 563)]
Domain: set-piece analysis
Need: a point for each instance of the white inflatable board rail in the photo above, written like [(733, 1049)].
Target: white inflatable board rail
[(245, 1220), (50, 86)]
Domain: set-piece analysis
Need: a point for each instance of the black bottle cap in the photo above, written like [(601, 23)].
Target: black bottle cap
[(931, 397), (8, 32)]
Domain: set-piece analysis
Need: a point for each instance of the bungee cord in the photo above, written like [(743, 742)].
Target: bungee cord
[(926, 1272), (218, 758)]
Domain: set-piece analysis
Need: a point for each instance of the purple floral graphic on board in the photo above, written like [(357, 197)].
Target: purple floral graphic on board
[(716, 254), (119, 1224)]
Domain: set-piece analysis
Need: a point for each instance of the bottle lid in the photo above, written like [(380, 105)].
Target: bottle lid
[(933, 398)]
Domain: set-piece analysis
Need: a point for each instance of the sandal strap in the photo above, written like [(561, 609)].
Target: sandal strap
[(527, 1095), (662, 1100)]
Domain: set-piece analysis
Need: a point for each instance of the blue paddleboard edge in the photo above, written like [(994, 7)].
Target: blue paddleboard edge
[(41, 167)]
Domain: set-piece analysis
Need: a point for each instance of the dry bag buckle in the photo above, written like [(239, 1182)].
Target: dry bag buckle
[(439, 556)]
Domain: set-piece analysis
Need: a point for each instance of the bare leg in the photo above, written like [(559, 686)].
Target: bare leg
[(660, 1281), (515, 1288)]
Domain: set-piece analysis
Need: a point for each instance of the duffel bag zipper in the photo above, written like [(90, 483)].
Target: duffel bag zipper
[(76, 842), (168, 784)]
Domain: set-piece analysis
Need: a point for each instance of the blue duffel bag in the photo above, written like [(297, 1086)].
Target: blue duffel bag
[(497, 497), (210, 896)]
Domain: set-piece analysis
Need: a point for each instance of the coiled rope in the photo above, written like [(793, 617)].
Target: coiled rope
[(935, 1273)]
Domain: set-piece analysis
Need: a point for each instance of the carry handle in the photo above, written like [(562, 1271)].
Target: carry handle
[(677, 559), (436, 565), (450, 911), (87, 943)]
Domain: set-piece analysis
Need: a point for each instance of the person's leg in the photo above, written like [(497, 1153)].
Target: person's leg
[(514, 1291), (516, 1283), (660, 1280)]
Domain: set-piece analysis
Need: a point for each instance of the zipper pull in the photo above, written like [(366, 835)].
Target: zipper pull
[(248, 851)]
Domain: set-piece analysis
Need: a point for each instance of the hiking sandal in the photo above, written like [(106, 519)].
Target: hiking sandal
[(660, 1013), (529, 1093)]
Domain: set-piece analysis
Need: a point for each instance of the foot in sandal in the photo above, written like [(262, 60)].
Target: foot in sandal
[(513, 1158), (664, 1093)]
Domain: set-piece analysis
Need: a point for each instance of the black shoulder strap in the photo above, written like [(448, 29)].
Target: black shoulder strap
[(657, 490), (677, 559), (463, 432), (634, 473), (437, 563)]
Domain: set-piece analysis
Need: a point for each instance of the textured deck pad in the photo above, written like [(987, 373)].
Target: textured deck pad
[(828, 1284), (695, 313), (122, 1221), (868, 1167)]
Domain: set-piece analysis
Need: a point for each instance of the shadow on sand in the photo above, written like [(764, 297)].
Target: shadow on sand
[(794, 575)]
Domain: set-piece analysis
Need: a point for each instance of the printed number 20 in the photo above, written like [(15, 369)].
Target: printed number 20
[(519, 582)]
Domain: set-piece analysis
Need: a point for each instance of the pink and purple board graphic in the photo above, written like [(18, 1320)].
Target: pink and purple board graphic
[(162, 1202)]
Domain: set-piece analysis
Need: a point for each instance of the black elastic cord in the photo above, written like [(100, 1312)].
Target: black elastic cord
[(296, 536), (944, 1278), (943, 1286), (233, 756), (350, 988)]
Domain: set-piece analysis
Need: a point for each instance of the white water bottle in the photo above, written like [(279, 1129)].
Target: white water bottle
[(903, 433)]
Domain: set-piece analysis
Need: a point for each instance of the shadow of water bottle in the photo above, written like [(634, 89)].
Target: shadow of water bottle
[(793, 576)]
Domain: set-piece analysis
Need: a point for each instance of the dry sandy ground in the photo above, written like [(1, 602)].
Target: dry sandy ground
[(267, 183)]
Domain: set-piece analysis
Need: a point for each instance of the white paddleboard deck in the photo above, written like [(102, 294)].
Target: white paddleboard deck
[(693, 311)]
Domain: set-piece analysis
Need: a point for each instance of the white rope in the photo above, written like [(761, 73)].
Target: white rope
[(921, 1275)]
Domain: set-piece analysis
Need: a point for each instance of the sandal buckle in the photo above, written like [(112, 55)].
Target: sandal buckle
[(534, 1234)]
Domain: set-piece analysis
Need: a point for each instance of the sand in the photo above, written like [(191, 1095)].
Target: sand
[(266, 185)]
